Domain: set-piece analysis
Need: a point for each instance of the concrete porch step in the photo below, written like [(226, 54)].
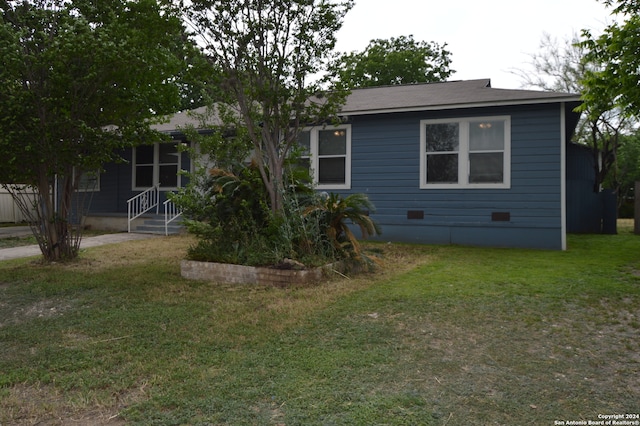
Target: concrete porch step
[(154, 224)]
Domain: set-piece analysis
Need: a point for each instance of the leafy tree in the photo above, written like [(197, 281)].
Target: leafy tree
[(267, 53), (564, 67), (617, 83), (400, 60), (197, 79), (628, 166), (79, 79), (615, 86), (558, 66)]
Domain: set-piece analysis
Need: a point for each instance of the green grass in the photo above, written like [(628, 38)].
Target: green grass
[(27, 240), (440, 335), (10, 242)]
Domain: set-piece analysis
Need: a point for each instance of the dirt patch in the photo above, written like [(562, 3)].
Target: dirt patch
[(47, 406), (48, 308), (635, 272)]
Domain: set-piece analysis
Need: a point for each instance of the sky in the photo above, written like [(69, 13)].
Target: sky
[(486, 38)]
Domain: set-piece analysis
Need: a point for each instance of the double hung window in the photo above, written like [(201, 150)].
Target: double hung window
[(327, 153), (156, 164), (466, 153)]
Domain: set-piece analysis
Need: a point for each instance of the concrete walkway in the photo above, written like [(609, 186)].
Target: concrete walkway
[(34, 250), (14, 231)]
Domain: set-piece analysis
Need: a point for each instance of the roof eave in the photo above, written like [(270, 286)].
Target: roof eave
[(509, 102)]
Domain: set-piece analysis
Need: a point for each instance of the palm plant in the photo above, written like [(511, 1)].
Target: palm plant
[(336, 213)]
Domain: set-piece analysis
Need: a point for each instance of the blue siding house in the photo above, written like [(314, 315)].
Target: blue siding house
[(447, 163)]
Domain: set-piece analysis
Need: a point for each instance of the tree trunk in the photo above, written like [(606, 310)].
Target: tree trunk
[(277, 199), (636, 209), (67, 249), (50, 242), (51, 223)]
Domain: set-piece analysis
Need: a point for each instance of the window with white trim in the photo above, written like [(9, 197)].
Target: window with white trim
[(465, 153), (156, 164), (327, 153)]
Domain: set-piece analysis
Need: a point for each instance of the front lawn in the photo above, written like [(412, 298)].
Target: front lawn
[(441, 335)]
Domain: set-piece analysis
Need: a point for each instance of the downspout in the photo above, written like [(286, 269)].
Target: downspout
[(563, 175)]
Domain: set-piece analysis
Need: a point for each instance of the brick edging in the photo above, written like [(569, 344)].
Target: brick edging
[(240, 274)]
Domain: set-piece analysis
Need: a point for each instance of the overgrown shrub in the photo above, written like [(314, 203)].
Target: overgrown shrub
[(230, 215)]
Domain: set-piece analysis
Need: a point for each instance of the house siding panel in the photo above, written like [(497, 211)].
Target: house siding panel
[(386, 167), (585, 206), (116, 185)]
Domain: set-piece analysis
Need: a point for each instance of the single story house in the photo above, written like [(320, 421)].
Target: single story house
[(454, 162)]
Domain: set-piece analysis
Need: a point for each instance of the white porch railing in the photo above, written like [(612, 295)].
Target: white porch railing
[(142, 203), (171, 213)]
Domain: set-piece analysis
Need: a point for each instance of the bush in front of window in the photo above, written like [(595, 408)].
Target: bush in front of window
[(229, 213)]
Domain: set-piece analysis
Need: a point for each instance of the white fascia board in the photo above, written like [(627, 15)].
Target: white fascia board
[(462, 106)]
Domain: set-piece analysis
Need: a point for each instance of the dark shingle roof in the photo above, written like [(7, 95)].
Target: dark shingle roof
[(445, 95), (182, 119), (412, 97)]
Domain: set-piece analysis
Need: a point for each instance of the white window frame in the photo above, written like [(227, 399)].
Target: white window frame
[(463, 154), (314, 156), (156, 169)]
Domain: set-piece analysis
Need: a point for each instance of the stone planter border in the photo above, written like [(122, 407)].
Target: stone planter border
[(239, 274)]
